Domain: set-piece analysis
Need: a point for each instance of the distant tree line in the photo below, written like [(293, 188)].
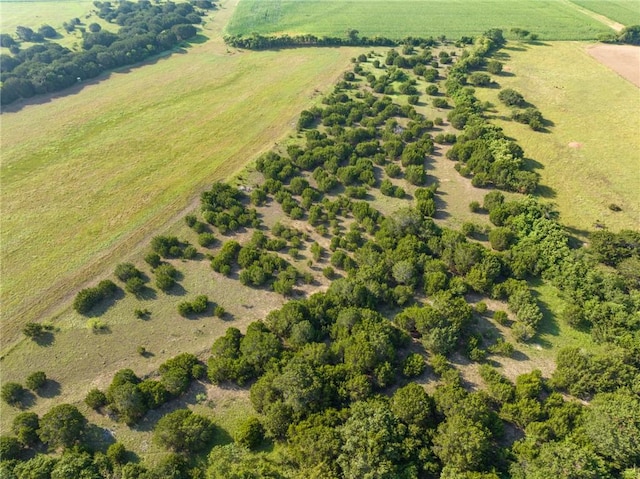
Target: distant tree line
[(146, 30)]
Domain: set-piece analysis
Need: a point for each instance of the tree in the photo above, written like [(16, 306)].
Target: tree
[(62, 426), (510, 97), (494, 66), (12, 393), (95, 399), (9, 448), (412, 405), (33, 330), (36, 380), (501, 238), (6, 40), (462, 443), (612, 422), (25, 426), (183, 431), (250, 433), (94, 27), (47, 31)]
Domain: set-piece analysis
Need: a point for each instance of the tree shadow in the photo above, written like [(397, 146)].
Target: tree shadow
[(441, 207), (548, 325), (176, 290), (44, 339), (51, 388), (102, 307), (26, 400), (546, 191), (147, 294), (98, 438)]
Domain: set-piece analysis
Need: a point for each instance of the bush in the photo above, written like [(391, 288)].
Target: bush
[(12, 393), (511, 97), (501, 238), (95, 399), (250, 433), (413, 366), (475, 207), (134, 286), (87, 298), (25, 426), (165, 276), (9, 448), (440, 103), (126, 271), (153, 259), (415, 174), (35, 380), (481, 307), (329, 272), (183, 431), (206, 240), (501, 317), (219, 311)]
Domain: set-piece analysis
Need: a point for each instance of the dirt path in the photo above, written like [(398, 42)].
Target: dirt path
[(596, 16), (622, 59)]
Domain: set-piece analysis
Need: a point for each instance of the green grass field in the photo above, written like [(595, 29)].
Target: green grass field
[(626, 12), (589, 158), (36, 13), (551, 19), (89, 175)]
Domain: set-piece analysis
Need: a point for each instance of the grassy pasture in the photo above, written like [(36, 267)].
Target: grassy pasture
[(89, 175), (551, 19), (626, 12), (589, 158), (36, 13)]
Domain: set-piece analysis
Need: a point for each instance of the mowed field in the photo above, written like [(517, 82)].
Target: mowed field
[(87, 177), (550, 19), (589, 157), (36, 13), (626, 12)]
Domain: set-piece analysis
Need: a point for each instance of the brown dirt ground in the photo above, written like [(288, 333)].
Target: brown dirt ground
[(623, 59)]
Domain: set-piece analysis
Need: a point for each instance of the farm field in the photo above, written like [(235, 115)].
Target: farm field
[(626, 12), (125, 155), (35, 13), (593, 144), (550, 19)]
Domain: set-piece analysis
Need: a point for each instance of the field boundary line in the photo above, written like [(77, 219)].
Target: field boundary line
[(618, 27)]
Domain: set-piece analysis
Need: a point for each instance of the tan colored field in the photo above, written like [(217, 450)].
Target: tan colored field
[(622, 59), (89, 175)]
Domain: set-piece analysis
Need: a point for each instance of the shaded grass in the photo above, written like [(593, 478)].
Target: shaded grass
[(551, 19), (113, 161), (589, 159)]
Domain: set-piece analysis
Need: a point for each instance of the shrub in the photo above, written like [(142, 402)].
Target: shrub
[(126, 271), (95, 399), (511, 97), (501, 317), (475, 207), (12, 393), (153, 259), (481, 307), (35, 380), (134, 286), (440, 103), (502, 348), (250, 433), (87, 298), (190, 252), (413, 366), (141, 313), (219, 311), (165, 276), (25, 426), (206, 239), (415, 174)]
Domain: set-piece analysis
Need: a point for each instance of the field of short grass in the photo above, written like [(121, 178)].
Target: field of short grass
[(626, 12), (34, 14), (550, 19), (589, 157), (90, 174)]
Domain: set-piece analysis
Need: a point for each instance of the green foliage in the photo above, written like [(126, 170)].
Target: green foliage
[(95, 399), (62, 426), (511, 97), (413, 366), (35, 380), (12, 393), (126, 271), (9, 447), (250, 433), (87, 298), (165, 276), (183, 431), (25, 426), (33, 330)]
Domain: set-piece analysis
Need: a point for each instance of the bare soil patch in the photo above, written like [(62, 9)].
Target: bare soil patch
[(622, 59)]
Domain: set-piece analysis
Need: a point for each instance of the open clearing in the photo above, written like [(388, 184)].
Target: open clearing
[(550, 19), (623, 59), (112, 162), (589, 158)]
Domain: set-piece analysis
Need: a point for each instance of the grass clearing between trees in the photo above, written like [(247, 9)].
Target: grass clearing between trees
[(34, 14), (114, 161), (589, 157), (550, 19)]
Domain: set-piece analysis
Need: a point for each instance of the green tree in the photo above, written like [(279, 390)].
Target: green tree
[(612, 422), (183, 431), (36, 380), (62, 426), (250, 433), (412, 405), (462, 443), (12, 393), (25, 426)]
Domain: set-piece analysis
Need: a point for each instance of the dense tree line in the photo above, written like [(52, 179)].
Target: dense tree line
[(146, 29)]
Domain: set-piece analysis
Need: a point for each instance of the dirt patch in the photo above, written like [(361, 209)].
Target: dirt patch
[(622, 59), (575, 144)]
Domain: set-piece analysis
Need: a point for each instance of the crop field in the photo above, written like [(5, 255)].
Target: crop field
[(626, 12), (550, 19), (589, 158), (115, 160)]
